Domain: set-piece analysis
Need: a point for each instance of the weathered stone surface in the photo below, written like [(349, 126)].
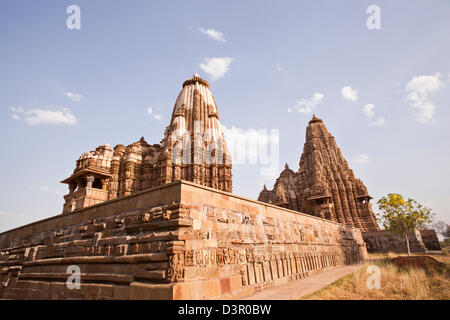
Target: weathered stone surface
[(137, 230), (220, 249), (193, 149), (324, 185), (430, 239), (383, 241)]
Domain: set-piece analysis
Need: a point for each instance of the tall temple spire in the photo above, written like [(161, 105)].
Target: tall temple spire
[(195, 139), (325, 185)]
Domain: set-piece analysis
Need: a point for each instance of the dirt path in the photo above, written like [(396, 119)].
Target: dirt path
[(300, 288)]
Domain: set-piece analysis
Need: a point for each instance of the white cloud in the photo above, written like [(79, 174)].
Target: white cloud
[(213, 34), (74, 96), (15, 117), (52, 191), (349, 94), (18, 110), (307, 106), (379, 122), (44, 189), (45, 116), (361, 159), (279, 68), (216, 67), (368, 110), (418, 90), (155, 116)]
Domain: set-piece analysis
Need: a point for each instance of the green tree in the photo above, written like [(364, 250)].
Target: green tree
[(400, 216)]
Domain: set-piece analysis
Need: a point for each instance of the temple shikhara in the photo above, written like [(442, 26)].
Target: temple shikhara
[(160, 221), (324, 185), (193, 149)]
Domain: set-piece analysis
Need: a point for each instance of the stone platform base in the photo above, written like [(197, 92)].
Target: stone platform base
[(178, 241), (383, 241)]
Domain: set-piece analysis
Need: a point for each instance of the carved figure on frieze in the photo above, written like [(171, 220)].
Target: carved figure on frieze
[(199, 257), (247, 219), (220, 257), (145, 217), (244, 275), (242, 257), (229, 256), (249, 254), (189, 257), (213, 260), (175, 271), (177, 173)]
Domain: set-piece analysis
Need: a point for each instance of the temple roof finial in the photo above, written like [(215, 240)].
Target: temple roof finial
[(196, 78), (314, 119)]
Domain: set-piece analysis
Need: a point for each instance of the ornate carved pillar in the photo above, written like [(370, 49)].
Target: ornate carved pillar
[(72, 187), (89, 181), (73, 205)]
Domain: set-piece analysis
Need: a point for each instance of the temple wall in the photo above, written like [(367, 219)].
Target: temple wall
[(178, 241), (83, 198), (256, 245), (430, 239), (384, 241)]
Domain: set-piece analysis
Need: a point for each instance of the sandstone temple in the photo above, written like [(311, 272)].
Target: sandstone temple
[(193, 149), (324, 185), (160, 222)]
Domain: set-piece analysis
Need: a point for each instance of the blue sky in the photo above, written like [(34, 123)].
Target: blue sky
[(65, 91)]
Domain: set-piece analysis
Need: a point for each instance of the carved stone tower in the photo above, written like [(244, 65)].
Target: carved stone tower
[(324, 185), (193, 149)]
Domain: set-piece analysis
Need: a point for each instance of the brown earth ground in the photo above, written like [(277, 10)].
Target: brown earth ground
[(420, 277)]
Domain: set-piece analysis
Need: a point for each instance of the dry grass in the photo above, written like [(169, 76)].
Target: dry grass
[(443, 256), (396, 284)]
